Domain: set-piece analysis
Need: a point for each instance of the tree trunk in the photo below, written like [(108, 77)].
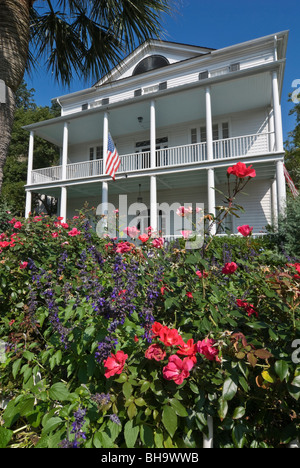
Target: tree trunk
[(14, 43)]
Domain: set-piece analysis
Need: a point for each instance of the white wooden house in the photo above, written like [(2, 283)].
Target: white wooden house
[(179, 116)]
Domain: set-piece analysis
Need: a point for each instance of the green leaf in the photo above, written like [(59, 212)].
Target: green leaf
[(127, 390), (130, 433), (16, 367), (238, 435), (178, 407), (132, 411), (239, 412), (5, 436), (229, 389), (169, 419), (282, 369), (59, 392), (52, 424), (223, 409)]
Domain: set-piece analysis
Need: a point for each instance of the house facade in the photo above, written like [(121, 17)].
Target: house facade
[(179, 116)]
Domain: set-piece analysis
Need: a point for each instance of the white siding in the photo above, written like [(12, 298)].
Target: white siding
[(257, 202)]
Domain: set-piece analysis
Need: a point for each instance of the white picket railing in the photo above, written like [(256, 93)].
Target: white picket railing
[(248, 145)]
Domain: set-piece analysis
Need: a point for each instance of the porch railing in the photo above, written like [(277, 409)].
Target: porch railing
[(248, 145)]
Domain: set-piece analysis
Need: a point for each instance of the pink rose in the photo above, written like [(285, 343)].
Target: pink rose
[(158, 243), (74, 232), (245, 230), (155, 352), (23, 265), (177, 369), (18, 225), (115, 364), (131, 231), (124, 247), (229, 268), (208, 349), (186, 234)]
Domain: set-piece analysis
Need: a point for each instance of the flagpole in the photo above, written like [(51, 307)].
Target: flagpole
[(105, 149)]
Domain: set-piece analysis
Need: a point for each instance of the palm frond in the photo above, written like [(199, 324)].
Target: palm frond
[(88, 38)]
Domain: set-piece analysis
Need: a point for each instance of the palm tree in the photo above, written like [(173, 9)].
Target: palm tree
[(82, 37)]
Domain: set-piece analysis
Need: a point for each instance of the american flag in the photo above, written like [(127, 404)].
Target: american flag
[(113, 160), (290, 182)]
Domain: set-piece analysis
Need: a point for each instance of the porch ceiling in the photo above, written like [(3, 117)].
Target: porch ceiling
[(179, 105)]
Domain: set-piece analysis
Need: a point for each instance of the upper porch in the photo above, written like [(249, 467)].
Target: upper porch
[(219, 118)]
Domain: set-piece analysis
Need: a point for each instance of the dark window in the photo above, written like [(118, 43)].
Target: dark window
[(150, 63), (234, 67), (203, 75), (137, 92), (163, 85), (105, 101), (84, 106)]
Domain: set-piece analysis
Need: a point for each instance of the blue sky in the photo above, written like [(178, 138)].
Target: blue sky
[(215, 24)]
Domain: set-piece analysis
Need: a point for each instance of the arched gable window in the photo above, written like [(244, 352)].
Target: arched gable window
[(150, 63)]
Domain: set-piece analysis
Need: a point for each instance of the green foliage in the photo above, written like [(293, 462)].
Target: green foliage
[(45, 155), (79, 291), (287, 236)]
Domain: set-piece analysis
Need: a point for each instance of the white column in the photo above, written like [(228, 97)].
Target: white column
[(105, 148), (152, 135), (153, 182), (64, 161), (271, 129), (281, 188), (274, 203), (63, 203), (28, 203), (277, 113), (30, 158), (211, 197), (209, 130)]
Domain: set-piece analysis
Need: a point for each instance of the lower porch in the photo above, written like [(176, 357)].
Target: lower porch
[(142, 200)]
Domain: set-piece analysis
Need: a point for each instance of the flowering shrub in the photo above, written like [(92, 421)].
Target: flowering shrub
[(135, 343)]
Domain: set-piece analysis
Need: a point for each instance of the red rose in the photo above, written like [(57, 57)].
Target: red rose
[(170, 337), (249, 308), (245, 230), (229, 268), (156, 328), (144, 238), (188, 349), (241, 171), (155, 352), (115, 364)]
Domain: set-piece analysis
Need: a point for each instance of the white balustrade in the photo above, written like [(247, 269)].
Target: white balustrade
[(247, 145)]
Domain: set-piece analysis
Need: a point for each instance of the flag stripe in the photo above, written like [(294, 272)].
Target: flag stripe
[(290, 183), (113, 160)]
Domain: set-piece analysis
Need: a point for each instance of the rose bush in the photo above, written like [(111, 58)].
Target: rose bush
[(135, 344)]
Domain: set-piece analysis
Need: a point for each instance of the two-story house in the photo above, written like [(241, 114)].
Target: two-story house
[(179, 116)]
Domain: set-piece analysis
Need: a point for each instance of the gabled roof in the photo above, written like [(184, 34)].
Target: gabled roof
[(172, 51)]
